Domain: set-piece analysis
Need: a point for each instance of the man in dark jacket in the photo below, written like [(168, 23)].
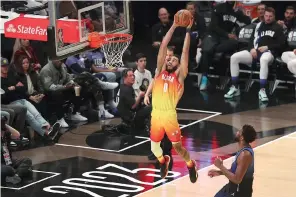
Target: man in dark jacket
[(59, 87), (160, 29), (198, 29), (266, 42), (221, 36), (289, 22), (15, 93)]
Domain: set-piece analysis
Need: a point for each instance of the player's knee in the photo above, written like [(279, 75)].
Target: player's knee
[(155, 148), (292, 66), (266, 59)]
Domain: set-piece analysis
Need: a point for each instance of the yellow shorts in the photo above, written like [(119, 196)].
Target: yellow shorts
[(165, 122)]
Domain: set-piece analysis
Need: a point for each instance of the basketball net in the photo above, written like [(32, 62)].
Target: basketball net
[(112, 45)]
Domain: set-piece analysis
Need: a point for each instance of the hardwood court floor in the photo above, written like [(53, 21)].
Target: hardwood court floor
[(87, 162), (275, 171)]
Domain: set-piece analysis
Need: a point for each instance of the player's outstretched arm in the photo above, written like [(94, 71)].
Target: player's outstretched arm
[(185, 53), (163, 48), (148, 92)]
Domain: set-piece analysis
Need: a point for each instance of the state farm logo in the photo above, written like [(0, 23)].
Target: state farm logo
[(21, 29), (11, 28)]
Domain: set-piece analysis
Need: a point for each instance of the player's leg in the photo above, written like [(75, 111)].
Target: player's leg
[(207, 51), (289, 57), (174, 134), (265, 60), (243, 57), (292, 66), (156, 135)]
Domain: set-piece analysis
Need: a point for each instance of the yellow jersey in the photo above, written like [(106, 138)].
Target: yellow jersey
[(165, 92)]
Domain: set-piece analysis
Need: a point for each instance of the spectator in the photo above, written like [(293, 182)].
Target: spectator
[(59, 86), (97, 58), (221, 36), (130, 109), (160, 29), (17, 115), (98, 66), (289, 22), (15, 93), (22, 47), (79, 65), (28, 76), (6, 115), (266, 42), (12, 170), (289, 58), (260, 10), (143, 76), (197, 30)]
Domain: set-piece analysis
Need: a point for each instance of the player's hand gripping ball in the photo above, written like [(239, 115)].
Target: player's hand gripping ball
[(183, 18)]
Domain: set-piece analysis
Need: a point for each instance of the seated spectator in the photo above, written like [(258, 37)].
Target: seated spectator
[(221, 36), (98, 59), (12, 170), (161, 28), (22, 47), (17, 115), (289, 22), (9, 115), (130, 109), (198, 29), (79, 65), (260, 11), (289, 58), (143, 76), (28, 76), (266, 42), (15, 93), (59, 87), (6, 115)]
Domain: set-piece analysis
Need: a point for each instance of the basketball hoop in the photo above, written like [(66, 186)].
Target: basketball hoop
[(113, 46)]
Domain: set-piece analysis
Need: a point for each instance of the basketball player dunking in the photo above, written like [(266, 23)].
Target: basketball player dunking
[(168, 88)]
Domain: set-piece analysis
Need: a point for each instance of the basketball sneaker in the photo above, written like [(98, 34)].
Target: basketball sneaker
[(204, 83), (233, 92), (164, 168), (193, 172), (262, 95)]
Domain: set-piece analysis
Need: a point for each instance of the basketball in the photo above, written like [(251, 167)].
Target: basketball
[(182, 18)]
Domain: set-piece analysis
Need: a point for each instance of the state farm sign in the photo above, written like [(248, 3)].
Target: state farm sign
[(26, 30), (32, 28)]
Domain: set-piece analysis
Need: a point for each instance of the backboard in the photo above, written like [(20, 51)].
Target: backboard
[(72, 21)]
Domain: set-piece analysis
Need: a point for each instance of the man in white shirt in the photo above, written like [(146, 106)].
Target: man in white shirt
[(143, 76)]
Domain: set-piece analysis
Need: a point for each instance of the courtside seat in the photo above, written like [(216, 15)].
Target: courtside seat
[(224, 58), (279, 61), (220, 69), (250, 73), (283, 75)]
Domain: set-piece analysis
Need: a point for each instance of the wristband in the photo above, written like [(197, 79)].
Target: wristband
[(188, 30)]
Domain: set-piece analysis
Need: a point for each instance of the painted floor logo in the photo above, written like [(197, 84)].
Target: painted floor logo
[(112, 180)]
